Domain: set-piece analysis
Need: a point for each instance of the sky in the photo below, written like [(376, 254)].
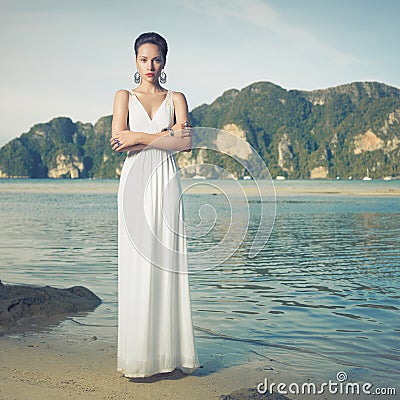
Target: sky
[(67, 58)]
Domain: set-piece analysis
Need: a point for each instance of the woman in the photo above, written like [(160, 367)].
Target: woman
[(155, 329)]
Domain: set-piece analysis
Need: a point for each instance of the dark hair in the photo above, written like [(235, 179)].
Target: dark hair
[(154, 38)]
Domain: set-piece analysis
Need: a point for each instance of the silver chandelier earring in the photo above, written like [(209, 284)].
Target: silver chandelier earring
[(136, 77), (163, 77)]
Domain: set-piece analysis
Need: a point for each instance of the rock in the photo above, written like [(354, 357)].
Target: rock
[(67, 166), (285, 153), (320, 172), (367, 142), (252, 394), (22, 305), (239, 148)]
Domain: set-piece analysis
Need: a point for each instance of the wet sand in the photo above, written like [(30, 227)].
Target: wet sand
[(215, 186), (41, 367), (284, 188)]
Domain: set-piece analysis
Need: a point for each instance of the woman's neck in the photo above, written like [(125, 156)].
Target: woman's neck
[(149, 88)]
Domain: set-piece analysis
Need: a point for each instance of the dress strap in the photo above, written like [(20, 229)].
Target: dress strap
[(129, 107), (171, 102)]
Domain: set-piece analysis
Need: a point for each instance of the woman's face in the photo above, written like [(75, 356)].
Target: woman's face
[(149, 62)]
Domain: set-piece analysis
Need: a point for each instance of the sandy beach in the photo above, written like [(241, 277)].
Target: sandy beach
[(40, 367), (286, 188), (217, 186)]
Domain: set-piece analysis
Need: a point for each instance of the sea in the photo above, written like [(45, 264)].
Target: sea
[(304, 276)]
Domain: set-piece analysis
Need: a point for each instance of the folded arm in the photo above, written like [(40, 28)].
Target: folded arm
[(120, 118), (182, 140), (129, 140)]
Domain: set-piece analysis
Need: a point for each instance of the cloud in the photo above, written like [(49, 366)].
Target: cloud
[(260, 13)]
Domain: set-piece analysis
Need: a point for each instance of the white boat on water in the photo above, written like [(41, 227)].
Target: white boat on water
[(199, 177), (387, 178), (247, 177), (367, 178), (280, 178)]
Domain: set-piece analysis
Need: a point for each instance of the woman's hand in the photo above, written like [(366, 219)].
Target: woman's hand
[(182, 129), (120, 141)]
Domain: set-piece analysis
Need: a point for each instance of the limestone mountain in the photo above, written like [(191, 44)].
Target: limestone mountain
[(339, 131)]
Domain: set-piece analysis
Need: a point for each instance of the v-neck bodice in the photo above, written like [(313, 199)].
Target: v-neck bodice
[(151, 119), (139, 119)]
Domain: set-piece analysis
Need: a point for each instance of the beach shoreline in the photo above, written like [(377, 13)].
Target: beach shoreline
[(41, 366), (290, 187), (44, 367)]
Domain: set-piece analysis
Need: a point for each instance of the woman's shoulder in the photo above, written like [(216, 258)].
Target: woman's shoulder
[(121, 96), (122, 92), (176, 93), (178, 96)]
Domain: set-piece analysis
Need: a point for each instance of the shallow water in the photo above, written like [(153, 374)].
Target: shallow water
[(322, 296)]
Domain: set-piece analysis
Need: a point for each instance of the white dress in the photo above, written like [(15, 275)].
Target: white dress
[(155, 328)]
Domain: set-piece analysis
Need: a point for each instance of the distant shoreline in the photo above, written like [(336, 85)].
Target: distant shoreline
[(278, 188)]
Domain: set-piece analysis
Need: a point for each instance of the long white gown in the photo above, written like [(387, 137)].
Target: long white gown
[(155, 328)]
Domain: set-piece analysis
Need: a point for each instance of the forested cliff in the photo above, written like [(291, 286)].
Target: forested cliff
[(339, 131)]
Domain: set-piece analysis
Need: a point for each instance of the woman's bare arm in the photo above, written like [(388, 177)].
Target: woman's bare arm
[(120, 117), (182, 115)]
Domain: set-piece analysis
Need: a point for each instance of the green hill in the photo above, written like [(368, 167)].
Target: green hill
[(338, 131)]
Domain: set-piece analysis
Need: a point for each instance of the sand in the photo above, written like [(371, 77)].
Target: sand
[(42, 366), (278, 189)]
